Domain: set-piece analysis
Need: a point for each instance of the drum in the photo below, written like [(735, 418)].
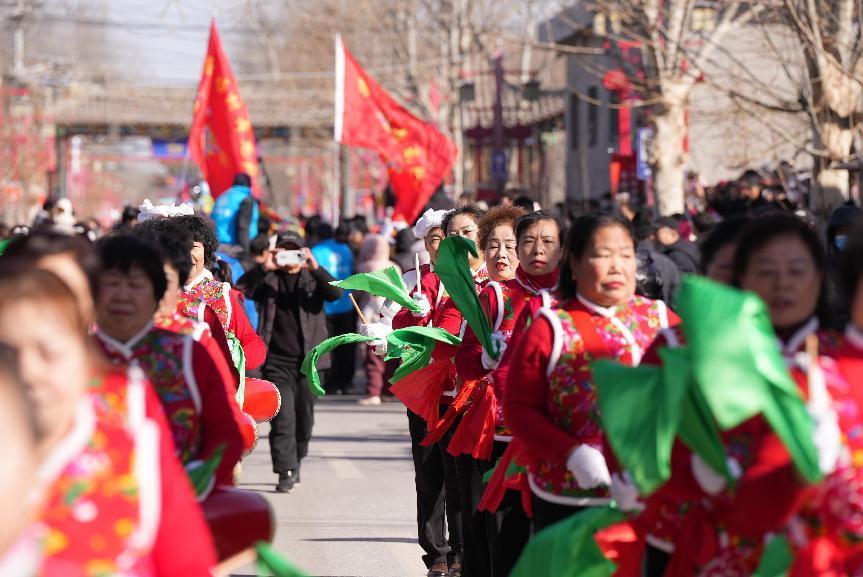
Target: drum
[(238, 519), (262, 399), (249, 429)]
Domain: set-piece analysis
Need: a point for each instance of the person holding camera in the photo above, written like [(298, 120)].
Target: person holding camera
[(290, 288)]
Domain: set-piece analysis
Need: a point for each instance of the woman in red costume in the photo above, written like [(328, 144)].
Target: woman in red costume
[(550, 404), (111, 496), (704, 528), (175, 243), (435, 468), (492, 542), (829, 531), (201, 291), (198, 402)]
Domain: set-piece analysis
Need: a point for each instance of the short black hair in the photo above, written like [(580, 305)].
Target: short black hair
[(47, 242), (174, 244), (532, 218), (724, 233), (324, 230), (359, 222), (222, 271), (642, 224), (130, 214), (242, 179), (750, 178), (202, 231), (122, 251), (259, 244), (578, 240), (470, 210), (343, 231), (523, 201), (704, 222)]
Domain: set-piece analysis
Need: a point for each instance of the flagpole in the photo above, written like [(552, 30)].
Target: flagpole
[(184, 172), (340, 90), (338, 120), (337, 183)]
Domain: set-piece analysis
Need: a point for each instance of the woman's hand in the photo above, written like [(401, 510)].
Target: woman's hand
[(588, 466)]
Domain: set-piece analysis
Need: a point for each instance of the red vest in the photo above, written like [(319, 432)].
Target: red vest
[(101, 498), (166, 359), (581, 336), (834, 514), (207, 292), (511, 297)]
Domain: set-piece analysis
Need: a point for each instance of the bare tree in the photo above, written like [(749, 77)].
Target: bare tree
[(677, 38), (813, 96), (830, 37)]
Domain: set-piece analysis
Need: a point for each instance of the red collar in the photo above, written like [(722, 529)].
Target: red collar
[(534, 284)]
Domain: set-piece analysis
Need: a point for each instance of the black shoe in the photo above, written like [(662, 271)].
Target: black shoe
[(297, 477), (439, 569), (286, 482)]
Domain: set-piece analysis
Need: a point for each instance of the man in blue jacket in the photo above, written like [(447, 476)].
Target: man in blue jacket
[(236, 213), (335, 256)]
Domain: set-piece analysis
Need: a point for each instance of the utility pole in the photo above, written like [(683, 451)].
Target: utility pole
[(18, 38), (459, 44)]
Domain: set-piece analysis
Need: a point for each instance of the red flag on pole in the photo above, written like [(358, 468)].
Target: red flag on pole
[(418, 155), (221, 140)]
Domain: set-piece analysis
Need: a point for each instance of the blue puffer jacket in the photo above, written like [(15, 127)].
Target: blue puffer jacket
[(225, 214), (337, 259)]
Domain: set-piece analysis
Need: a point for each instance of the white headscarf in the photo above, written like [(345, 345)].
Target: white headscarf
[(150, 211), (429, 220)]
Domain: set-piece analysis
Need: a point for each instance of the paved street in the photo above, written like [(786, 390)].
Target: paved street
[(354, 515)]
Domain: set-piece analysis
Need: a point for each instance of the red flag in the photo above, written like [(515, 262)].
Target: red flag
[(419, 156), (221, 140)]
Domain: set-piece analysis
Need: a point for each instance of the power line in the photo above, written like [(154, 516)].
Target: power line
[(162, 27)]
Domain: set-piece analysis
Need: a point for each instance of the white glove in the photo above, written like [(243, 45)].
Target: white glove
[(710, 481), (625, 493), (388, 312), (380, 332), (498, 340), (827, 437), (425, 306), (588, 466), (826, 434)]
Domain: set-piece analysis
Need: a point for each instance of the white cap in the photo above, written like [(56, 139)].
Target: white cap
[(429, 220), (150, 211), (63, 205)]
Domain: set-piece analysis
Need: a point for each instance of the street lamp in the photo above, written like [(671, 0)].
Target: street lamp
[(530, 90)]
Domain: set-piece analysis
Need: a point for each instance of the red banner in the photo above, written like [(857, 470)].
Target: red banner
[(418, 156), (221, 140)]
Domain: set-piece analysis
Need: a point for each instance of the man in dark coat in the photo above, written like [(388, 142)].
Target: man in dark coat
[(291, 299), (656, 276), (684, 253)]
